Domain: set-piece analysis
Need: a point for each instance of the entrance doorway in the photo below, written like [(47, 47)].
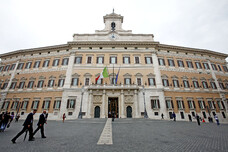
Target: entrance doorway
[(113, 107), (97, 112), (129, 112)]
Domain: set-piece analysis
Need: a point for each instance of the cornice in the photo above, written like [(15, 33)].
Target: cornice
[(147, 43)]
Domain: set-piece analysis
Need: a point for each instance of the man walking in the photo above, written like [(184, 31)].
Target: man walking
[(198, 119), (27, 126), (174, 116), (217, 120), (40, 124)]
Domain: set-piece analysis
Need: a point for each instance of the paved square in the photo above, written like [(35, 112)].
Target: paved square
[(127, 135)]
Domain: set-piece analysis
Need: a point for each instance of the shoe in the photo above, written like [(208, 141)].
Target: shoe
[(31, 139), (44, 137), (13, 141)]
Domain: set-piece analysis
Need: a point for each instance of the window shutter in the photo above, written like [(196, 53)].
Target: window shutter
[(68, 103), (43, 63), (172, 103), (38, 104), (124, 80), (145, 60), (223, 105), (177, 104), (204, 104), (67, 61), (130, 81), (183, 104), (48, 63), (116, 60), (63, 81), (17, 104), (110, 59), (154, 81), (152, 104), (54, 104), (32, 104), (3, 105), (163, 82), (151, 60), (158, 104), (129, 60), (97, 59), (48, 104), (43, 104), (189, 104), (60, 104), (169, 62), (72, 80), (12, 105), (53, 62), (26, 104), (166, 104), (168, 82), (199, 104), (178, 62), (59, 82), (123, 60), (214, 104), (22, 103), (74, 103), (103, 60)]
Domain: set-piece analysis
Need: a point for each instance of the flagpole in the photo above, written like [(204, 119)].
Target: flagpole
[(113, 74)]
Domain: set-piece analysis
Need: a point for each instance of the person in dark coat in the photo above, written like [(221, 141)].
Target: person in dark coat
[(5, 121), (174, 116), (198, 119), (190, 117), (40, 124), (28, 124), (113, 115)]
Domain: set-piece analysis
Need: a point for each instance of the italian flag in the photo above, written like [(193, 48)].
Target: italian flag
[(103, 74)]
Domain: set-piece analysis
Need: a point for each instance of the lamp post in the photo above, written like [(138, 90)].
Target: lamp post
[(80, 112), (145, 113)]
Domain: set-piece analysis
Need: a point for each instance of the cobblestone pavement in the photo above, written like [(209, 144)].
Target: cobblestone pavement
[(127, 135)]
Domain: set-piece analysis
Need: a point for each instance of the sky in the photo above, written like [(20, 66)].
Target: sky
[(28, 24)]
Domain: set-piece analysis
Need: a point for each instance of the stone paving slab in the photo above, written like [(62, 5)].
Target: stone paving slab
[(127, 135)]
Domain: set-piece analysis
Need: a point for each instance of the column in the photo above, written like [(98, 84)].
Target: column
[(136, 103), (103, 105), (89, 104), (69, 71), (122, 104)]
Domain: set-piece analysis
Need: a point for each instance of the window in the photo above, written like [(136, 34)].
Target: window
[(5, 105), (4, 86), (30, 84), (126, 60), (171, 62), (198, 65), (28, 65), (55, 62), (46, 104), (113, 60), (169, 104), (211, 105), (165, 82), (74, 82), (205, 86), (226, 85), (221, 85), (7, 68), (186, 83), (12, 67), (113, 80), (65, 61), (46, 63), (40, 84), (127, 81), (13, 85), (148, 60), (89, 60), (206, 66), (61, 82), (220, 105), (161, 61), (180, 63), (36, 64), (214, 67), (71, 103), (195, 84), (201, 104), (191, 104), (151, 81), (136, 60), (180, 104), (21, 85), (182, 115), (225, 68), (20, 66), (86, 81), (14, 105), (213, 85), (100, 60), (176, 83), (24, 105), (35, 104), (189, 64), (100, 81), (139, 81), (155, 104), (57, 104), (51, 83), (78, 60), (1, 68), (219, 67)]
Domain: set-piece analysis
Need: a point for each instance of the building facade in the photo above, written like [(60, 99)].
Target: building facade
[(153, 78)]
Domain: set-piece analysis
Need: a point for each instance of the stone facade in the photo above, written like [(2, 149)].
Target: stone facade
[(153, 78)]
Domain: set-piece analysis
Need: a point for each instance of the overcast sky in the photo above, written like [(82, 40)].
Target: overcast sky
[(28, 24)]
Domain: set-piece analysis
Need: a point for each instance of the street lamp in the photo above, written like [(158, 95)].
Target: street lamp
[(80, 112), (145, 113)]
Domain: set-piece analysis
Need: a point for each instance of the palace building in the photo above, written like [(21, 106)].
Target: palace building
[(153, 78)]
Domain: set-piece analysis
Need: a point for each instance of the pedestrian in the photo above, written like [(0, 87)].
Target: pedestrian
[(162, 115), (64, 117), (5, 121), (17, 117), (190, 117), (28, 125), (217, 120), (1, 120), (113, 115), (198, 119), (40, 124), (174, 116)]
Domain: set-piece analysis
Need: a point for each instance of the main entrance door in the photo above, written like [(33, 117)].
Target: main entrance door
[(129, 112), (97, 112), (113, 107)]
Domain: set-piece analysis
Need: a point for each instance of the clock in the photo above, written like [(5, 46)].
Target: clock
[(113, 36)]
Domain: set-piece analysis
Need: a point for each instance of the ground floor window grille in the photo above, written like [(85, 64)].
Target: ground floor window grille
[(71, 103), (155, 104)]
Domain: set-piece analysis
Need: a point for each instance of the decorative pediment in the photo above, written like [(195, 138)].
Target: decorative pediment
[(42, 77), (174, 77), (62, 76), (184, 77), (75, 75), (138, 75), (226, 81), (14, 79), (52, 77), (194, 78), (112, 74), (127, 75), (164, 76), (6, 80), (202, 78), (150, 75), (87, 75), (23, 79), (32, 79), (220, 79)]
